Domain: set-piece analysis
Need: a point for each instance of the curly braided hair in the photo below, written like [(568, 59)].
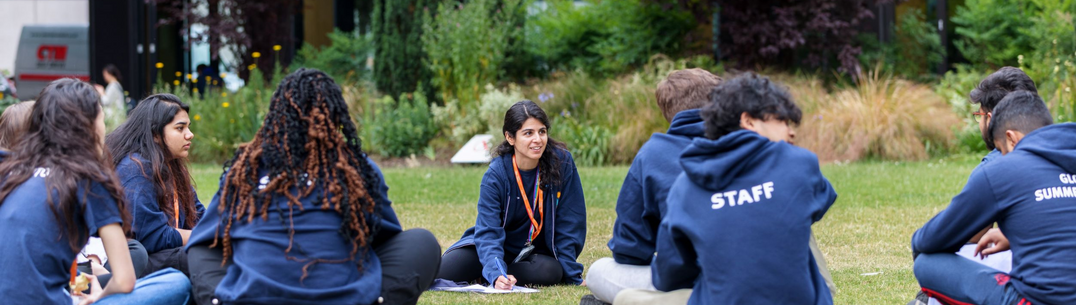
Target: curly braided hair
[(309, 146)]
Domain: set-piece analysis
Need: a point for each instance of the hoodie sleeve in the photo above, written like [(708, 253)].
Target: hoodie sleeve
[(968, 213), (676, 264), (208, 226), (199, 209), (489, 233), (150, 224), (824, 195), (635, 229), (570, 224), (389, 224)]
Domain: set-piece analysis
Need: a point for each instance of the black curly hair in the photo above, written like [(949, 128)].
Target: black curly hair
[(747, 93), (309, 145)]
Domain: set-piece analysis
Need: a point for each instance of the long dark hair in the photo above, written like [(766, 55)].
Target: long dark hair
[(549, 163), (143, 133), (62, 138), (308, 143), (112, 69)]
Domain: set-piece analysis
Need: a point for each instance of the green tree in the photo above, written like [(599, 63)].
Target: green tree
[(399, 55)]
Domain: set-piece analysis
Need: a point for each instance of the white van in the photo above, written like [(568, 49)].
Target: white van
[(51, 52)]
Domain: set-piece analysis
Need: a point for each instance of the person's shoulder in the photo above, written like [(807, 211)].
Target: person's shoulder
[(132, 166)]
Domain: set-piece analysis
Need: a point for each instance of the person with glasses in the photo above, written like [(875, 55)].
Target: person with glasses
[(1029, 193), (988, 94)]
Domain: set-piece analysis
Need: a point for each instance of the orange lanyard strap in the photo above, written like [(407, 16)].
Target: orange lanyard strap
[(74, 271), (536, 227), (175, 206)]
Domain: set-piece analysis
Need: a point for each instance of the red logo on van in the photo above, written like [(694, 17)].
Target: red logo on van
[(52, 52)]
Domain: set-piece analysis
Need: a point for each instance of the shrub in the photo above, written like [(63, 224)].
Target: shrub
[(915, 51), (954, 88), (605, 37), (466, 45), (399, 128), (398, 55), (485, 118), (1051, 63), (989, 32), (221, 120), (344, 59), (881, 117)]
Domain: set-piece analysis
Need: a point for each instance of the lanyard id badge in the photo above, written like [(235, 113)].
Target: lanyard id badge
[(536, 226)]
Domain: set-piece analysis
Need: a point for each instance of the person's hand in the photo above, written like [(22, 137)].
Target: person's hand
[(992, 242), (504, 283), (584, 283), (100, 89), (95, 291)]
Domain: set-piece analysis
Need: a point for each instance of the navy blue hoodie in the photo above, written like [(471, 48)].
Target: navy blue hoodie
[(502, 226), (642, 197), (150, 226), (259, 271), (738, 223), (1030, 194)]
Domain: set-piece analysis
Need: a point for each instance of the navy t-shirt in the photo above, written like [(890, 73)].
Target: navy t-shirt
[(35, 252)]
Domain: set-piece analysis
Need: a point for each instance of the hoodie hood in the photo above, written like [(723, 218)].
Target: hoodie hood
[(687, 123), (714, 164), (1055, 143)]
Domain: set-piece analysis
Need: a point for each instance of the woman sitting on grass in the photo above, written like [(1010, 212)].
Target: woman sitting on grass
[(303, 216), (531, 215), (58, 190), (150, 153)]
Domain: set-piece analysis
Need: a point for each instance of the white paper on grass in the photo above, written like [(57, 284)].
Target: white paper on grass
[(475, 151), (489, 289)]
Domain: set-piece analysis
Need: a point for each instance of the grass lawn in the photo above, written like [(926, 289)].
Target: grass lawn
[(865, 236)]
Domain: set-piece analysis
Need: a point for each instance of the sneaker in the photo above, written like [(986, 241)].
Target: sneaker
[(590, 299), (921, 298)]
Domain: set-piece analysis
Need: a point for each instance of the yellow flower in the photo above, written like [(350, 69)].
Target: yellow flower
[(160, 65), (222, 75), (189, 76), (276, 48), (178, 74), (214, 83), (194, 80), (207, 77), (252, 67), (224, 94), (225, 105), (175, 82), (256, 54), (1, 95), (197, 117), (232, 121), (195, 90)]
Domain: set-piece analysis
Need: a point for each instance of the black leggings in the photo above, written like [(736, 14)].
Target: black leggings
[(462, 265), (139, 259), (409, 262)]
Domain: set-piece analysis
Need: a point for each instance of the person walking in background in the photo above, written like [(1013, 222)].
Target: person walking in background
[(112, 98)]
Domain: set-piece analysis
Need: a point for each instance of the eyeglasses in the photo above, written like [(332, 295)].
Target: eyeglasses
[(978, 115)]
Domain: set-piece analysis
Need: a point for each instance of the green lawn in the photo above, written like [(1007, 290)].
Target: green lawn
[(867, 231)]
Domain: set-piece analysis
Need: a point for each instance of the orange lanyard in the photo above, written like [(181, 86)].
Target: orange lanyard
[(74, 271), (175, 206), (527, 203)]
